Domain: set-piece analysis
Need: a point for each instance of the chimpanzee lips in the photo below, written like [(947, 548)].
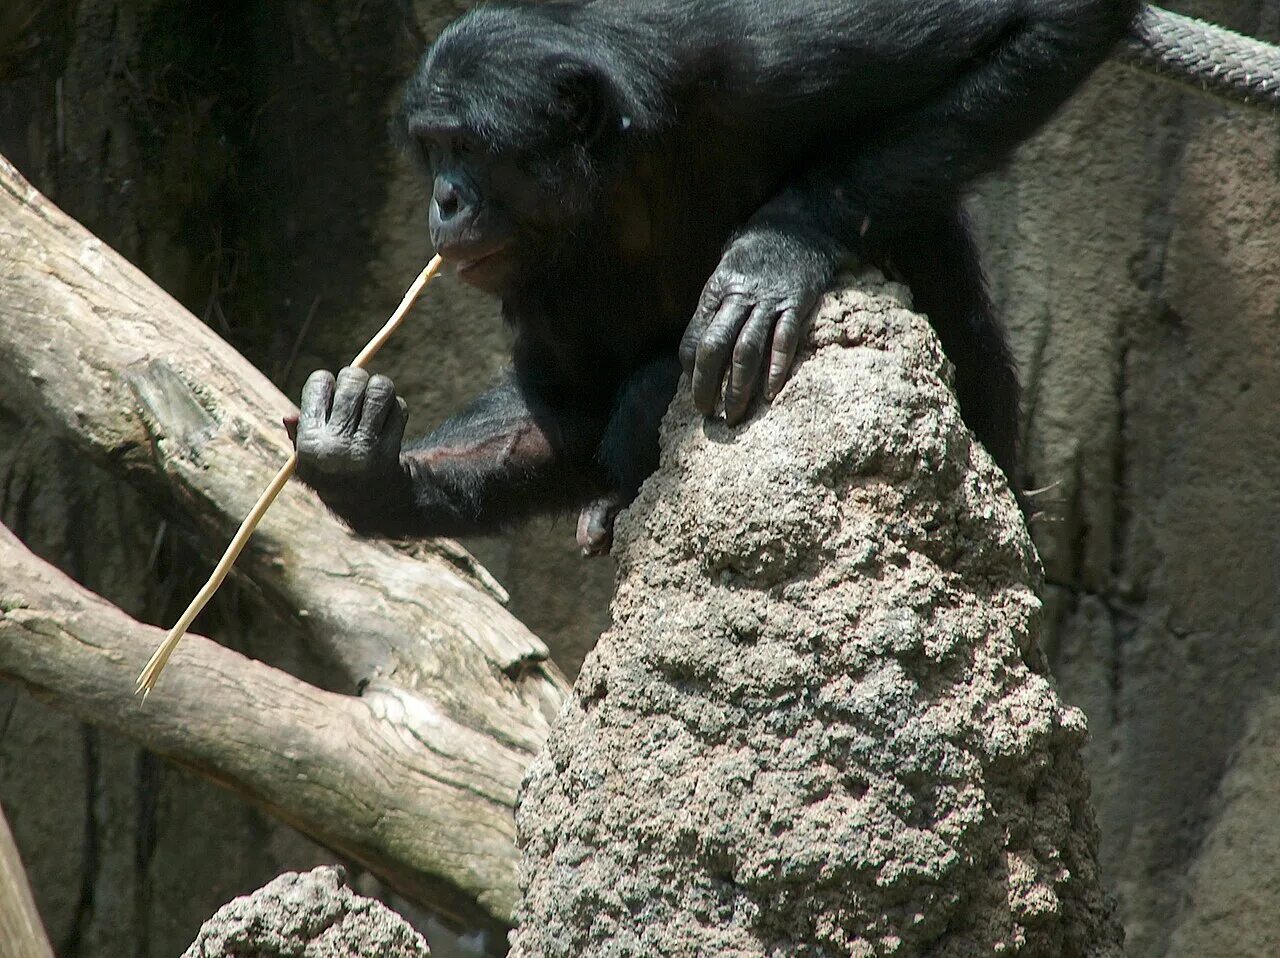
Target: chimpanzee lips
[(471, 262), (488, 270)]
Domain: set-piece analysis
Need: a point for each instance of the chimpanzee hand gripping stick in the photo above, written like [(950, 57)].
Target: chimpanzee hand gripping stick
[(151, 674)]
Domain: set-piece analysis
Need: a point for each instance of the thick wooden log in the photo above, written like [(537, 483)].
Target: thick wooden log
[(387, 778)]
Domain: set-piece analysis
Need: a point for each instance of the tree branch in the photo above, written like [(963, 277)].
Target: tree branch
[(388, 778), (20, 927)]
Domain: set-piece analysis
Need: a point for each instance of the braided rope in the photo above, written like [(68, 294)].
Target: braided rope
[(1217, 60)]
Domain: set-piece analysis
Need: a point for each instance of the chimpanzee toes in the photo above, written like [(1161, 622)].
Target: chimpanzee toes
[(595, 526)]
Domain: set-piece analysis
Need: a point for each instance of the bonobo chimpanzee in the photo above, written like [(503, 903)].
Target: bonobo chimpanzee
[(654, 183)]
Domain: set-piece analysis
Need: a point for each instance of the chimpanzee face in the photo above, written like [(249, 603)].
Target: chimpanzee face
[(510, 131)]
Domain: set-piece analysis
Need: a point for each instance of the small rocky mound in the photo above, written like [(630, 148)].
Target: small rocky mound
[(307, 915)]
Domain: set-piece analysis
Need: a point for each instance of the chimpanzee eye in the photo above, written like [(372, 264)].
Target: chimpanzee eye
[(577, 104), (469, 146), (428, 150)]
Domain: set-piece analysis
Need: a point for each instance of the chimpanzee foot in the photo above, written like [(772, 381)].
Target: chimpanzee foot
[(595, 526)]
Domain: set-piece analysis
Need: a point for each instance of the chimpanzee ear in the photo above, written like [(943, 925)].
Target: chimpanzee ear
[(583, 100)]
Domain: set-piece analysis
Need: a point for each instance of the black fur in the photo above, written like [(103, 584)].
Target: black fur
[(638, 179)]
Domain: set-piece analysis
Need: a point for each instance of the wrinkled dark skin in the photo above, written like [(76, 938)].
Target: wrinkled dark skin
[(651, 185), (750, 318)]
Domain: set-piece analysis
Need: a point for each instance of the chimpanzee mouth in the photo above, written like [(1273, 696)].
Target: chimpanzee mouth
[(489, 271), (489, 258)]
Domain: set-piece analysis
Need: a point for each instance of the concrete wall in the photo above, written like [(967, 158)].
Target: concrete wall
[(1133, 249)]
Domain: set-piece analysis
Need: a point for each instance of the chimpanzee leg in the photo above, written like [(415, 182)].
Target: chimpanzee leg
[(629, 448)]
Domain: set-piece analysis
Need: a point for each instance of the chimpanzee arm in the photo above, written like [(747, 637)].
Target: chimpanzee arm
[(504, 458), (930, 250), (925, 157), (884, 198)]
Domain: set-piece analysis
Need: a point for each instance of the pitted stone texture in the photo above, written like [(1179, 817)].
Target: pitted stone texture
[(820, 724), (307, 915)]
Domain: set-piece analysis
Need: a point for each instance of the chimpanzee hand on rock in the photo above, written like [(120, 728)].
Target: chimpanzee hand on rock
[(755, 305), (348, 434)]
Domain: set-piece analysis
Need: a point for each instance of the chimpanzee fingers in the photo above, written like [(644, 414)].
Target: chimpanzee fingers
[(392, 438), (786, 339), (748, 362), (708, 305), (715, 350), (348, 400), (689, 346), (379, 400), (317, 400)]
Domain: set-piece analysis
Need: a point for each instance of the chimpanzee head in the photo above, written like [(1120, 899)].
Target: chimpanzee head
[(519, 125)]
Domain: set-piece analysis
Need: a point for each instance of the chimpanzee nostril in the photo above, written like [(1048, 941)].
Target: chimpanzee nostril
[(447, 196), (454, 210)]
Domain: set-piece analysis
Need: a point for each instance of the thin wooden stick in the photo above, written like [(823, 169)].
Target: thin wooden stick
[(151, 674)]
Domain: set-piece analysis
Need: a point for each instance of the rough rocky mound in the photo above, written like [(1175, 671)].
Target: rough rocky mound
[(820, 724), (307, 915)]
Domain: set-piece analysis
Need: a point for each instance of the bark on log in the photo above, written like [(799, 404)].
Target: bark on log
[(143, 389), (21, 930)]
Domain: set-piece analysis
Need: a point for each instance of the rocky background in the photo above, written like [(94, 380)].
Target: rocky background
[(238, 153)]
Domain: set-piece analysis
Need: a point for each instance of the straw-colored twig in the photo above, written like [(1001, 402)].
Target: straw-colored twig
[(147, 680)]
